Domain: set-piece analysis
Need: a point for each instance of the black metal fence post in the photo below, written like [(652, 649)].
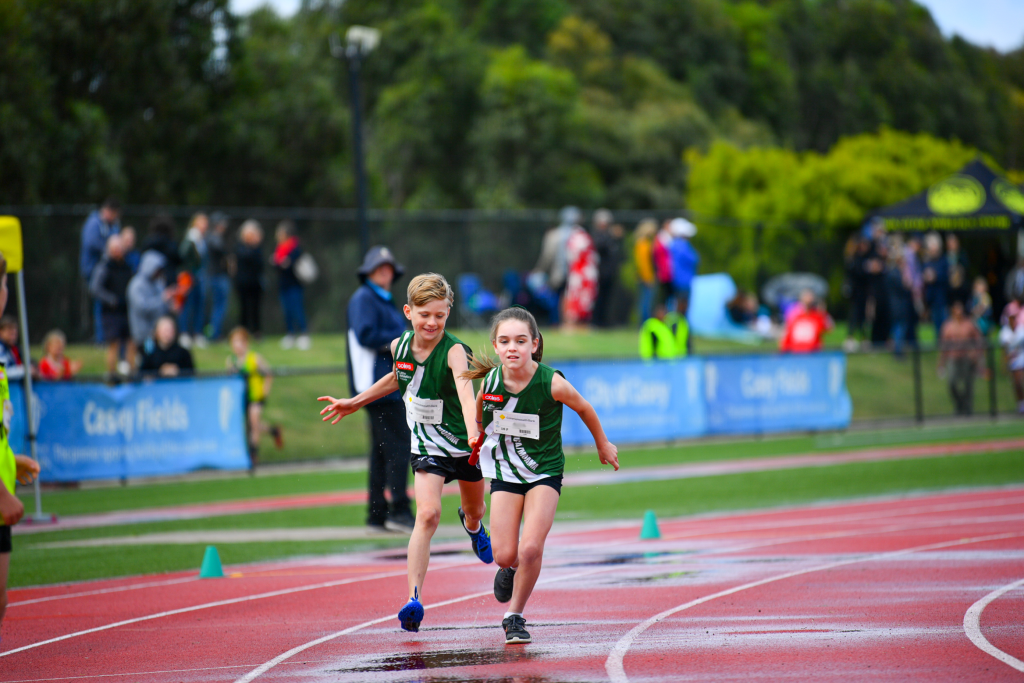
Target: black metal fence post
[(990, 357), (918, 395)]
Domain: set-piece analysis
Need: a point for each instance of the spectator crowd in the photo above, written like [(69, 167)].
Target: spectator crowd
[(577, 274), (898, 282), (172, 292)]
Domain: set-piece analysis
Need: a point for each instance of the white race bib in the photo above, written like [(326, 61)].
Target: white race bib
[(425, 411), (517, 424)]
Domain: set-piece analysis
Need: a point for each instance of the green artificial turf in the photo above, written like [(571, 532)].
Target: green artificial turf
[(241, 486), (34, 565), (880, 386)]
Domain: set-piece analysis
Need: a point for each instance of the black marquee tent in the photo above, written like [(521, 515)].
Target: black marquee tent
[(974, 199)]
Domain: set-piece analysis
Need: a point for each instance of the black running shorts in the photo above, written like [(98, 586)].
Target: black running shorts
[(449, 468), (519, 489), (5, 539)]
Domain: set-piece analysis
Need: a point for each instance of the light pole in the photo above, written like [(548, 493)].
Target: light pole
[(359, 42)]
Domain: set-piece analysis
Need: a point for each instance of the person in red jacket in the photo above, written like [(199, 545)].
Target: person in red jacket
[(805, 330)]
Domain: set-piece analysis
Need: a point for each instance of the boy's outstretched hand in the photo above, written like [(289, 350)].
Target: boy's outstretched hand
[(339, 408), (609, 454), (11, 509), (26, 469)]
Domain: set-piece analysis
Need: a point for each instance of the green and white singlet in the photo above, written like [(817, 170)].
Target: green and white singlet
[(431, 398), (523, 431)]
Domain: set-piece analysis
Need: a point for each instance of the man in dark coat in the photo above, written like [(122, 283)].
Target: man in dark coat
[(373, 323)]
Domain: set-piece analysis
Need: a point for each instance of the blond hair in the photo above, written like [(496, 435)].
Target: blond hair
[(239, 331), (480, 365), (52, 336), (429, 287), (646, 229)]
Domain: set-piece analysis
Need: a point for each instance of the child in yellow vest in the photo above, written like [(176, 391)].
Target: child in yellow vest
[(12, 468), (258, 380)]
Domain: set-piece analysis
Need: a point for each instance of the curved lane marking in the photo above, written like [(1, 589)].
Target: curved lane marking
[(104, 591), (972, 627), (207, 605), (614, 663), (267, 666)]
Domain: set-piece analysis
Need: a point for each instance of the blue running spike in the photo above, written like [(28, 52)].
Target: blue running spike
[(480, 541), (412, 614)]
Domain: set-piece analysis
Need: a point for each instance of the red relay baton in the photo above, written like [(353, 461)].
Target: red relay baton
[(474, 457)]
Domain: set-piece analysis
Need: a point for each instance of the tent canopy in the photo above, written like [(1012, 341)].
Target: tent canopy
[(975, 198)]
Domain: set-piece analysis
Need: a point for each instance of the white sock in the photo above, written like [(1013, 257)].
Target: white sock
[(511, 614), (473, 531)]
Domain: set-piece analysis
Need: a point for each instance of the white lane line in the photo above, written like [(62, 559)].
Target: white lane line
[(263, 668), (208, 605), (134, 673), (972, 627), (614, 666), (104, 591), (857, 517)]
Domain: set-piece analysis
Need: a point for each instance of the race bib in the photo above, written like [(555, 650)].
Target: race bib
[(517, 424), (425, 411)]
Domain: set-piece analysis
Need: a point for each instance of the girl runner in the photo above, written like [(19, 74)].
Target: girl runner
[(520, 407), (441, 415), (258, 380)]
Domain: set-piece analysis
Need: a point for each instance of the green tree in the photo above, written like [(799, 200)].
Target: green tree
[(771, 210)]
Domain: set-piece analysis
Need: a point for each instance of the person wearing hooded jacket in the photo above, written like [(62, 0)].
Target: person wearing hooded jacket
[(148, 296), (373, 323)]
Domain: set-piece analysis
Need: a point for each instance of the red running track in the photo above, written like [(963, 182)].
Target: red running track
[(883, 589)]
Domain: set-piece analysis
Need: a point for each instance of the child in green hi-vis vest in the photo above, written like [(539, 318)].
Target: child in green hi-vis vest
[(441, 413), (520, 407), (12, 468)]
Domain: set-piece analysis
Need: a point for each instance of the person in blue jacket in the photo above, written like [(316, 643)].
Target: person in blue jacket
[(685, 260), (96, 230), (373, 323)]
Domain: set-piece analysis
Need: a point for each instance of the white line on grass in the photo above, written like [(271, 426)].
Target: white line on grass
[(263, 668), (208, 605), (972, 626), (614, 663)]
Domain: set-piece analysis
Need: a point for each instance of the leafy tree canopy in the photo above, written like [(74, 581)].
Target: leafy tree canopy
[(480, 103)]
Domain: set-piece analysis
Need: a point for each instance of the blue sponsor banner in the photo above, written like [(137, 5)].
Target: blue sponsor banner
[(637, 402), (92, 431), (754, 394)]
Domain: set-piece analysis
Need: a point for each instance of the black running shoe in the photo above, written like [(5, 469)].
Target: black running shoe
[(503, 581), (515, 629)]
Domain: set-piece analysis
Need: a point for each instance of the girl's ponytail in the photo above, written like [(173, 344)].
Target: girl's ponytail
[(479, 366)]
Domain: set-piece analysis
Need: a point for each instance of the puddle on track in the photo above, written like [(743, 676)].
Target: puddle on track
[(443, 659)]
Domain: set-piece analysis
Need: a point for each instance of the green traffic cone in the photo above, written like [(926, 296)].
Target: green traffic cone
[(650, 527), (211, 568)]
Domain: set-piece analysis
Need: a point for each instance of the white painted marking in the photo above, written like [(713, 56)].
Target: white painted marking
[(134, 673), (104, 591), (208, 605), (614, 664), (972, 626), (263, 668), (818, 521)]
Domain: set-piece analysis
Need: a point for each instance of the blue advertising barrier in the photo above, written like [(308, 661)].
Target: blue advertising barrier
[(757, 394), (92, 431), (637, 401)]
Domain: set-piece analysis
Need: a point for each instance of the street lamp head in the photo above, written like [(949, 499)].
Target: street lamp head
[(361, 40)]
